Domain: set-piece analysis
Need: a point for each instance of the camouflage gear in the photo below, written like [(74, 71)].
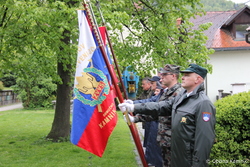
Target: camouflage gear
[(164, 126), (166, 155), (164, 122), (146, 94), (169, 68)]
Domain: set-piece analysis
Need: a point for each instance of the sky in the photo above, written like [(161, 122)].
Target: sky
[(241, 1)]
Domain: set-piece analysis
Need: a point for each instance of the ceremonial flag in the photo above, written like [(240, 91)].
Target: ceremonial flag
[(103, 34), (94, 111)]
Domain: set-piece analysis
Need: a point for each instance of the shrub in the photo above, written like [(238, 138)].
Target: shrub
[(36, 92), (1, 85), (8, 80), (232, 132)]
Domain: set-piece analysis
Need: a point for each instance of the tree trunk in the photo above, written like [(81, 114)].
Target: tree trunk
[(61, 124)]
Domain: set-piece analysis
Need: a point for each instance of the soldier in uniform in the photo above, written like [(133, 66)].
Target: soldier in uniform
[(154, 80), (146, 87), (169, 77), (158, 89), (193, 119), (169, 80), (151, 149)]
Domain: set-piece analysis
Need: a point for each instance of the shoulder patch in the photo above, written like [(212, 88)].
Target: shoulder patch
[(206, 116)]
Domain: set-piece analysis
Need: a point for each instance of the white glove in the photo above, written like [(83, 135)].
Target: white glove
[(122, 108), (129, 101), (132, 118), (126, 107)]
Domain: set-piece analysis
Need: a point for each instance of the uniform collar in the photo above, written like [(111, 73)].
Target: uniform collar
[(198, 89), (173, 88)]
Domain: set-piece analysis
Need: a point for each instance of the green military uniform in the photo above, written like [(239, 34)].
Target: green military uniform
[(146, 94), (164, 126), (193, 122)]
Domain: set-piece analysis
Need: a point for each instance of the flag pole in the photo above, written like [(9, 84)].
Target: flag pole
[(132, 127), (112, 50)]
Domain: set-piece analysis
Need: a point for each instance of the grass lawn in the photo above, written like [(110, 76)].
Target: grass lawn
[(23, 144)]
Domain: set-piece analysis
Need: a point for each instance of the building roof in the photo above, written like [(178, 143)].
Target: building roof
[(219, 35)]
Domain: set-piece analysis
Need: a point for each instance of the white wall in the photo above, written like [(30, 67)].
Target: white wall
[(229, 67)]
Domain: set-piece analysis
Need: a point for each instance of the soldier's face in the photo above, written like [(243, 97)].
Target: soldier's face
[(166, 78), (189, 81), (146, 85), (157, 91), (154, 84)]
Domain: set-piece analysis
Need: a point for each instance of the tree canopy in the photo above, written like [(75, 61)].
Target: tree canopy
[(31, 33), (39, 40), (145, 33), (38, 44)]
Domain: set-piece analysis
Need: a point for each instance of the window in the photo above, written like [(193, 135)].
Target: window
[(240, 31)]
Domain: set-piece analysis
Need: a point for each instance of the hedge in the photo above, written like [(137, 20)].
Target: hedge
[(232, 146)]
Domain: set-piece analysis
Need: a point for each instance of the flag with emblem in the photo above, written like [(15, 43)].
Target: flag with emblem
[(94, 111)]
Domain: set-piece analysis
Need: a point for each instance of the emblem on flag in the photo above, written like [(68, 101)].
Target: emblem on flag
[(90, 85), (206, 116), (94, 111)]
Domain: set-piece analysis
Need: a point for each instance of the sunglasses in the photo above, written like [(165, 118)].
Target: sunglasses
[(165, 74)]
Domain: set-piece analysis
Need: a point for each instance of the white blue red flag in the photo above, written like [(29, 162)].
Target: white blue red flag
[(94, 111)]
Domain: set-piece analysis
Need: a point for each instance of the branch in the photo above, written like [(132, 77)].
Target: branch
[(143, 2), (4, 16), (131, 30), (140, 20)]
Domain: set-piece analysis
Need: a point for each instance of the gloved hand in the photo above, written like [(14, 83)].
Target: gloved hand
[(129, 101), (126, 107), (132, 118)]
